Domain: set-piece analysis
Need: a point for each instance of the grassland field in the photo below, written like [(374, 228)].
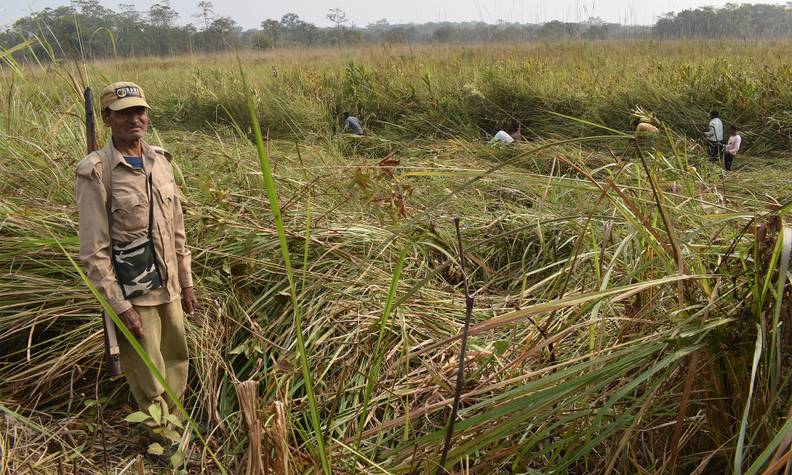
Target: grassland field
[(632, 300)]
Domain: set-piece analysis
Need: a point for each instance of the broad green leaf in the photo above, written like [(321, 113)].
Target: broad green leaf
[(171, 435), (156, 413), (501, 346), (137, 417), (177, 459), (174, 420), (156, 449)]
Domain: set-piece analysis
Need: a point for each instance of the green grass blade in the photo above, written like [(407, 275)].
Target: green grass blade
[(373, 376), (269, 184), (739, 451)]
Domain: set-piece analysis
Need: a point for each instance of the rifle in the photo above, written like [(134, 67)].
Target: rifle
[(112, 352)]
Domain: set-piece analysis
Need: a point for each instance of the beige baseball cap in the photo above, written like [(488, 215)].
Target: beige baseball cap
[(122, 95)]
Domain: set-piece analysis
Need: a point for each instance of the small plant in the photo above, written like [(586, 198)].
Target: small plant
[(388, 195), (164, 425)]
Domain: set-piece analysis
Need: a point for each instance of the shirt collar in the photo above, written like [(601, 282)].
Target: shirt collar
[(118, 159), (149, 155)]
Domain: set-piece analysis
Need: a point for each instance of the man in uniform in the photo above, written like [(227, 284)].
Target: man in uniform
[(129, 207)]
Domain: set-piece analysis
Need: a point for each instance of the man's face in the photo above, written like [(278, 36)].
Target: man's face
[(128, 124)]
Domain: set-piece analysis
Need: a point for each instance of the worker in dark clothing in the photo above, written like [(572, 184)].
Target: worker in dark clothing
[(352, 123)]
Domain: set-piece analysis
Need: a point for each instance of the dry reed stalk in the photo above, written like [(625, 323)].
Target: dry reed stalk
[(248, 402), (279, 435)]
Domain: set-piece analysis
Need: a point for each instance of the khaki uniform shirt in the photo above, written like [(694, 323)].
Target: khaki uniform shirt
[(130, 217)]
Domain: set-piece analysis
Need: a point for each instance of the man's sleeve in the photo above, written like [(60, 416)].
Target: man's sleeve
[(95, 238), (710, 133), (183, 256)]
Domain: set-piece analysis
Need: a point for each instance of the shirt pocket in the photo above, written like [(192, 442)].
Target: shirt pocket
[(130, 215), (167, 194)]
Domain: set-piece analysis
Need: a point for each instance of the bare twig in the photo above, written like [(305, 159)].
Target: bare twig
[(461, 370)]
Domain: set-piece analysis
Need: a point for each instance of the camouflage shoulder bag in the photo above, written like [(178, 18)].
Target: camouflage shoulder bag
[(135, 264)]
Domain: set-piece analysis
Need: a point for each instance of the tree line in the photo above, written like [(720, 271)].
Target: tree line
[(91, 30), (733, 21)]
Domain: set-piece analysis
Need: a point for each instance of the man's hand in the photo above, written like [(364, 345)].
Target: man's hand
[(189, 302), (133, 322)]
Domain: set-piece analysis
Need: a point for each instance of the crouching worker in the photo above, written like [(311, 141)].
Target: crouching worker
[(133, 245), (352, 124), (646, 134), (642, 127), (514, 134)]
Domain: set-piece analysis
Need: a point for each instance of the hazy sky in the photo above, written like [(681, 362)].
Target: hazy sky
[(250, 13)]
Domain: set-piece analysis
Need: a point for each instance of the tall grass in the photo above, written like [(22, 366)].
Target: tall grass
[(621, 287), (452, 92), (272, 196)]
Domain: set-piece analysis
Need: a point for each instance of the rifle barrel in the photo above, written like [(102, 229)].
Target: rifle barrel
[(112, 353), (90, 130)]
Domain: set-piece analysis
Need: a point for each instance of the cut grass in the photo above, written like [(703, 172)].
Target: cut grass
[(585, 322)]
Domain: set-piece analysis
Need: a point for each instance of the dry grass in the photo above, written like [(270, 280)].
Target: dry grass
[(598, 277)]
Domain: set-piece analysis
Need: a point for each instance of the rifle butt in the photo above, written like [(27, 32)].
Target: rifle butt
[(112, 351)]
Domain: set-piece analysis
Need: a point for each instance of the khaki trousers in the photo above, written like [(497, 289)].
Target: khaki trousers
[(166, 345)]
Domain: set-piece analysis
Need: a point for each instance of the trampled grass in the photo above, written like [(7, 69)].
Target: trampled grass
[(621, 287)]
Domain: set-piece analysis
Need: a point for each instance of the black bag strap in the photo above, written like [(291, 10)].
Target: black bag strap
[(107, 178), (150, 203)]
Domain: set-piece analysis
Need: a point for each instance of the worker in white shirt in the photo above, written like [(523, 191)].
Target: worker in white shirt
[(508, 137), (714, 135), (732, 147), (503, 137)]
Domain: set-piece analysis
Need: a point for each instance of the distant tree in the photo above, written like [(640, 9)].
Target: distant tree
[(205, 13), (444, 34), (128, 13), (337, 17), (272, 28), (162, 15), (732, 21), (261, 40), (290, 20), (307, 33), (92, 8), (398, 34), (379, 25), (129, 26), (80, 29), (224, 28), (297, 30), (595, 29), (161, 31), (558, 30)]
